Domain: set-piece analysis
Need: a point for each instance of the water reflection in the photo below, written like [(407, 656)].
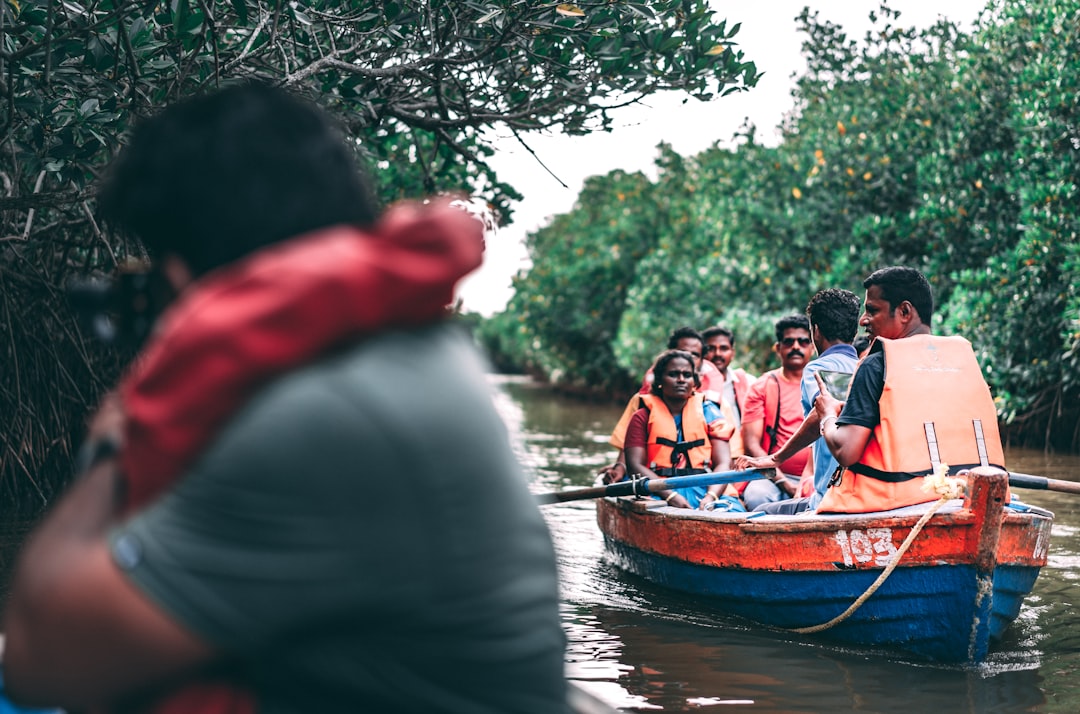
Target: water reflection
[(642, 648)]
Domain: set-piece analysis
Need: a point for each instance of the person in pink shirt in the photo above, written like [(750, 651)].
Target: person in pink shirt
[(734, 381), (774, 412)]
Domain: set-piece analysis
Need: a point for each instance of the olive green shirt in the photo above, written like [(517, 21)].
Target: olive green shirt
[(360, 538)]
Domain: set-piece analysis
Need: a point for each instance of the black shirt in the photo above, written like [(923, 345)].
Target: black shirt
[(861, 407)]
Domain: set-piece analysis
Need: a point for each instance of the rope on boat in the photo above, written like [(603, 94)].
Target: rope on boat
[(938, 482)]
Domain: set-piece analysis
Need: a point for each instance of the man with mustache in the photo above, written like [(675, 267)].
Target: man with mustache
[(834, 320), (773, 413), (735, 381)]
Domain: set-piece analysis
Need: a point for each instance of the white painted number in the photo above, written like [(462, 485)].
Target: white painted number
[(863, 546)]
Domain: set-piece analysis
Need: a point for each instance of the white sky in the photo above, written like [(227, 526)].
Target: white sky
[(768, 37)]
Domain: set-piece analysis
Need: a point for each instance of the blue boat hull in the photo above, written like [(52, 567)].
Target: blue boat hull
[(957, 577), (931, 612)]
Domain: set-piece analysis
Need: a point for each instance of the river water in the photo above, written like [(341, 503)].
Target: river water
[(642, 648)]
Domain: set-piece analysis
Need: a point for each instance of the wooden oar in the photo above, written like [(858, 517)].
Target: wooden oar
[(646, 486), (1042, 483)]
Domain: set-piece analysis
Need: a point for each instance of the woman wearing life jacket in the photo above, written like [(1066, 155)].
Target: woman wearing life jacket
[(678, 432)]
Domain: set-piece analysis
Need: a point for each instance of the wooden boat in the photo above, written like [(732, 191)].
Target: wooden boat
[(958, 586)]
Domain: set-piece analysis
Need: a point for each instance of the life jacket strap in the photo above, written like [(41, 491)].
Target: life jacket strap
[(901, 476), (681, 471), (680, 448), (932, 444), (980, 442)]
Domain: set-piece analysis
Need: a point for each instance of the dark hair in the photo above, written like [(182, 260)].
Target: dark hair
[(661, 363), (220, 175), (791, 322), (836, 314), (683, 333), (712, 332), (898, 284)]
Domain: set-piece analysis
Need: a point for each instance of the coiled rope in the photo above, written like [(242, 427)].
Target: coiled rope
[(947, 488)]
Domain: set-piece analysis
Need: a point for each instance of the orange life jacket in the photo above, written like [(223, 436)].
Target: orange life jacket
[(663, 447), (933, 381)]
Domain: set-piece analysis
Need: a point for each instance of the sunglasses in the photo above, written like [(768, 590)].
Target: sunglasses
[(789, 341)]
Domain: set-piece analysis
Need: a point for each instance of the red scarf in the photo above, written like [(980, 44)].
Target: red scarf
[(247, 323)]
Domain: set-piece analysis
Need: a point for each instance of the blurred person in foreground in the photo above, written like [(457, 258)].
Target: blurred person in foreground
[(281, 508)]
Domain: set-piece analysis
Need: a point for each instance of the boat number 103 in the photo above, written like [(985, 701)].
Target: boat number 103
[(863, 546)]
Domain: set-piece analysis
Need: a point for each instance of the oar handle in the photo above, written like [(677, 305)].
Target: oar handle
[(1042, 483), (646, 486)]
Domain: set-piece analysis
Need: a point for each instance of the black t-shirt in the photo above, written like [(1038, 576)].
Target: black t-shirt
[(861, 407)]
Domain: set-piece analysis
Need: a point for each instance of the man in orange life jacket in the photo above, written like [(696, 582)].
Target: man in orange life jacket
[(916, 401)]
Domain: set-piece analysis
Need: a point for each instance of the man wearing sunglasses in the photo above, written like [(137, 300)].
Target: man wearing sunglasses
[(774, 412), (834, 320)]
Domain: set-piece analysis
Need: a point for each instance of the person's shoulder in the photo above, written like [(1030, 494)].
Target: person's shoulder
[(756, 387), (813, 366), (389, 373), (764, 377), (712, 410), (873, 358), (870, 368), (837, 362), (741, 373)]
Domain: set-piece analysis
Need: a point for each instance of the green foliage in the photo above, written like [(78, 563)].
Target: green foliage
[(414, 82), (956, 154), (567, 317)]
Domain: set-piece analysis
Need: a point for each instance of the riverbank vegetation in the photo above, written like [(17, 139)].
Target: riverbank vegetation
[(416, 82), (955, 153)]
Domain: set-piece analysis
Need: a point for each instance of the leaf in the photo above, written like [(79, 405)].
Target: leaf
[(240, 7), (568, 10), (488, 16), (716, 50)]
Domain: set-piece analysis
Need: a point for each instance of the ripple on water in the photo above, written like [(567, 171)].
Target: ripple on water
[(639, 647)]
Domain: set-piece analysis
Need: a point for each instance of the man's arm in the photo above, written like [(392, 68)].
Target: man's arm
[(78, 633), (804, 436), (846, 441), (615, 471), (753, 423), (751, 434)]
